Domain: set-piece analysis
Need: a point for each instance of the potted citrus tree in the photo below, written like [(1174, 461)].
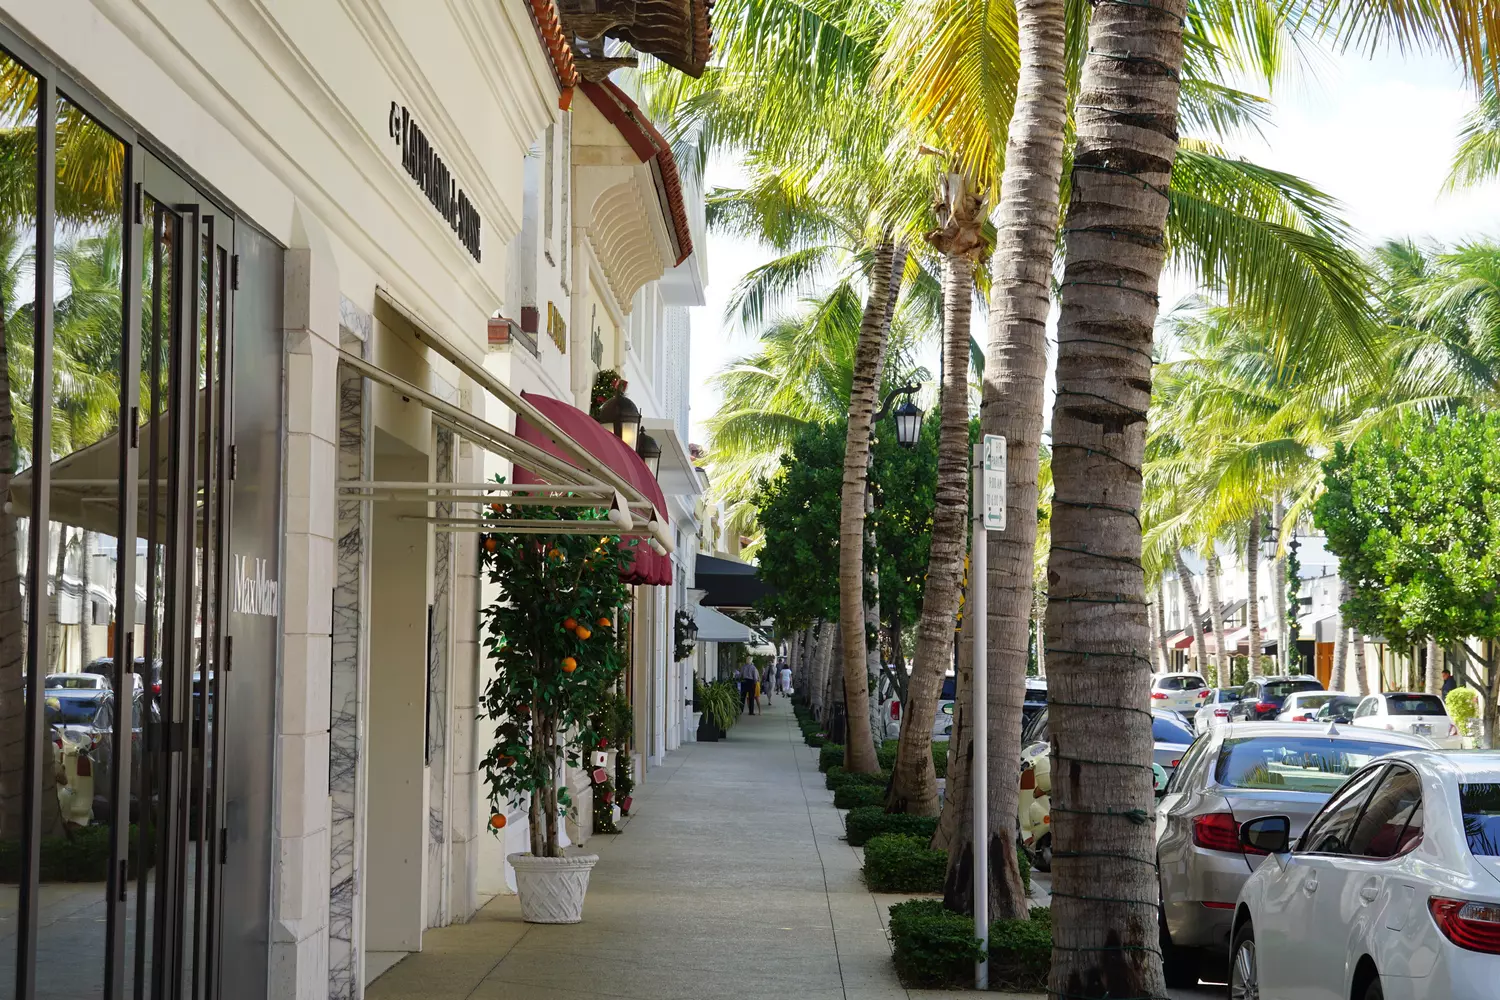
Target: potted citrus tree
[(553, 635)]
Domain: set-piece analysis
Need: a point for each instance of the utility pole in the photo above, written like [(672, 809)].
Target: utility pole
[(989, 515)]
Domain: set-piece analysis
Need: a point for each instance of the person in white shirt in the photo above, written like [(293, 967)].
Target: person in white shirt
[(784, 681), (748, 676)]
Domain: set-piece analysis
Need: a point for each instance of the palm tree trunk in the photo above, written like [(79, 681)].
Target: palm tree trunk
[(1014, 378), (12, 624), (1161, 625), (1361, 670), (1252, 604), (914, 782), (956, 823), (1038, 626), (86, 605), (872, 614), (1106, 894), (1278, 595), (54, 604), (1216, 618), (1434, 667), (869, 362), (1195, 616), (1339, 675)]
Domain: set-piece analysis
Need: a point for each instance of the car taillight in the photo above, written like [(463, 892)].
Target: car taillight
[(1222, 713), (1158, 694), (1264, 707), (1471, 925), (1452, 729), (1177, 761), (1219, 832), (895, 710)]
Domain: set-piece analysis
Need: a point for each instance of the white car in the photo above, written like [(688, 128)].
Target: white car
[(1407, 712), (1215, 710), (1392, 892), (1301, 706), (1179, 692)]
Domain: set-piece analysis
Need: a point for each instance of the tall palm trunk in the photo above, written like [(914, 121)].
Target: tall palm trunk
[(1434, 667), (872, 613), (55, 645), (1216, 618), (1106, 895), (914, 782), (1015, 373), (957, 818), (1252, 580), (1195, 616), (822, 667), (12, 624), (1361, 670), (869, 362), (1161, 625), (1278, 594), (1339, 675)]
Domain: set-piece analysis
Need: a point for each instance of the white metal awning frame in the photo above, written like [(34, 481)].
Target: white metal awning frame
[(580, 481)]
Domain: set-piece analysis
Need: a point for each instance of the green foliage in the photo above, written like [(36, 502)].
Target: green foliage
[(940, 757), (830, 755), (719, 702), (897, 862), (886, 754), (682, 636), (837, 778), (607, 385), (935, 947), (850, 795), (544, 713), (80, 856), (1463, 708), (1414, 517), (870, 821)]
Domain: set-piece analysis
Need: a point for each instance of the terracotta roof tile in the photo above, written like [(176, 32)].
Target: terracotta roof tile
[(550, 29)]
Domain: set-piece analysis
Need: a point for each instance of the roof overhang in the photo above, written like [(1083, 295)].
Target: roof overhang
[(676, 473), (714, 626), (729, 583), (675, 31)]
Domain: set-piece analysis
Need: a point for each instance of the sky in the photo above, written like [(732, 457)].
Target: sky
[(1377, 134)]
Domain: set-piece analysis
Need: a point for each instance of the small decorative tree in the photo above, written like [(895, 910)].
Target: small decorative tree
[(553, 635)]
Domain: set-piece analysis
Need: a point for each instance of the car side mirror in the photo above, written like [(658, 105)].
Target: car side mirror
[(1267, 834), (948, 708)]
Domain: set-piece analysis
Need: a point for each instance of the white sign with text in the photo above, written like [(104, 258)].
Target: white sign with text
[(994, 482)]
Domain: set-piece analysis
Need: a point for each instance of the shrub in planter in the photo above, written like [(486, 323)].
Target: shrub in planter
[(815, 739), (871, 821), (854, 796), (1021, 951), (933, 946), (940, 757), (896, 862), (830, 755), (837, 778), (554, 635)]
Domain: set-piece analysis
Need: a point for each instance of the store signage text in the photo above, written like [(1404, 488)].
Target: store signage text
[(254, 594), (427, 168)]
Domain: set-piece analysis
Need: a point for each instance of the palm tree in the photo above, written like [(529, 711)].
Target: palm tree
[(1477, 158)]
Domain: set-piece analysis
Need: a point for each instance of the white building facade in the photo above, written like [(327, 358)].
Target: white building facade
[(342, 239)]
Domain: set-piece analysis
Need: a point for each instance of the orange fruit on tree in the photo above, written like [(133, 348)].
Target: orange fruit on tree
[(497, 821), (569, 664), (604, 623), (495, 507), (489, 543), (582, 632), (505, 761), (570, 623), (555, 554)]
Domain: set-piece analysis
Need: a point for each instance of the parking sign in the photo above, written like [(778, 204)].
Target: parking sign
[(994, 482)]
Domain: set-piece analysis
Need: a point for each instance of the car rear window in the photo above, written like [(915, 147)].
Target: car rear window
[(71, 711), (1169, 684), (1415, 704), (1480, 802), (1167, 731), (1280, 689), (1227, 694), (1314, 700), (1294, 763), (950, 685), (1193, 684)]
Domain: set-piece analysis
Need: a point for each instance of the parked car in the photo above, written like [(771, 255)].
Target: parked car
[(1035, 699), (1302, 706), (1034, 804), (84, 682), (1215, 710), (1262, 697), (1180, 692), (1238, 772), (1034, 703), (1392, 891), (1339, 709), (1409, 712)]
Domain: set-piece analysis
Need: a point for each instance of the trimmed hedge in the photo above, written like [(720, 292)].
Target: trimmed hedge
[(862, 824), (830, 755), (887, 756), (856, 796), (815, 739), (896, 862), (937, 947), (837, 777), (81, 856)]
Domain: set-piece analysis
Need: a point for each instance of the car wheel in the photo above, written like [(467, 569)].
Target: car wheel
[(1244, 971), (1041, 858), (1179, 965), (1374, 991)]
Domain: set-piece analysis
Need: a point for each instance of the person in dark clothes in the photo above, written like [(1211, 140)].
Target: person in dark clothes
[(1448, 683), (748, 675)]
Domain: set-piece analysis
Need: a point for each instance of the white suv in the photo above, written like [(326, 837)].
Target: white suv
[(1179, 692), (1409, 712)]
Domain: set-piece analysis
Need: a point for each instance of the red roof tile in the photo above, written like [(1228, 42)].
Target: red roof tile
[(549, 28)]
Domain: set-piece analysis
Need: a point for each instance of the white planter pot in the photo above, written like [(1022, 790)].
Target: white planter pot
[(690, 733), (552, 889)]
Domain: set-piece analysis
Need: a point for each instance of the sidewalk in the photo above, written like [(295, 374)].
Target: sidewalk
[(729, 883)]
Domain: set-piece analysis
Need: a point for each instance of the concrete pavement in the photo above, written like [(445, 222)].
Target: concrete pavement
[(731, 882)]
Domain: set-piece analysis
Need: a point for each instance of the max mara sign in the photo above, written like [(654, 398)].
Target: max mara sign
[(254, 594), (427, 168)]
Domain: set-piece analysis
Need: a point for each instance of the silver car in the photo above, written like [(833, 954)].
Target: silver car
[(1215, 710), (1234, 773)]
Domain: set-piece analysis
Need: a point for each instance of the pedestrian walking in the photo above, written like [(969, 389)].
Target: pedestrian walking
[(784, 681), (1448, 683), (749, 678)]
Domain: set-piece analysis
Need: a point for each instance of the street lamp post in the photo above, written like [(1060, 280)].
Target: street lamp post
[(650, 452), (908, 414), (623, 418)]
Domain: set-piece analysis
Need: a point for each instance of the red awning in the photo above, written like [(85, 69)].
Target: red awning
[(1179, 640), (648, 567)]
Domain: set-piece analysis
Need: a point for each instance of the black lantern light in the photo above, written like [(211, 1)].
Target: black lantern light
[(622, 417), (908, 424), (650, 452)]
